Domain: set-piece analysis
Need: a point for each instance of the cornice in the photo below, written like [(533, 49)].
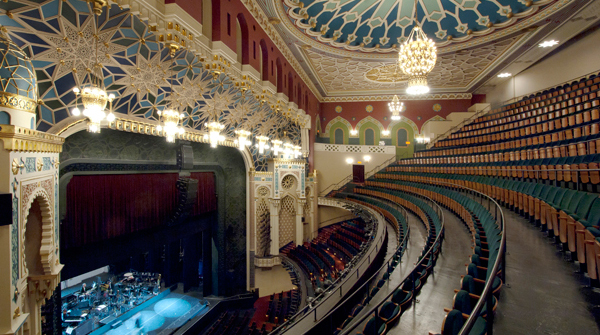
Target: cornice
[(443, 96), (23, 139)]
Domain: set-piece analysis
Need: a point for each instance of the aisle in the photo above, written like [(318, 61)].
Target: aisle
[(438, 292), (545, 295)]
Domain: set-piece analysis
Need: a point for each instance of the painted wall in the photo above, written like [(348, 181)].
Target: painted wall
[(417, 111), (332, 166), (579, 58), (330, 215)]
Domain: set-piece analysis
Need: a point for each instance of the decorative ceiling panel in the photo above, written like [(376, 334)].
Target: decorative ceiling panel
[(455, 70), (381, 25), (136, 68)]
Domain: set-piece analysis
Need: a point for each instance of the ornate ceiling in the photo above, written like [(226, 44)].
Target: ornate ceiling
[(349, 47), (382, 25), (58, 36)]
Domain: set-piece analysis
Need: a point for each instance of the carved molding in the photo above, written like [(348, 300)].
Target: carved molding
[(17, 138)]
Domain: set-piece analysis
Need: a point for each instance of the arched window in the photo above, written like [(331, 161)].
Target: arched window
[(242, 40), (264, 53), (5, 118), (401, 137), (339, 136), (369, 136)]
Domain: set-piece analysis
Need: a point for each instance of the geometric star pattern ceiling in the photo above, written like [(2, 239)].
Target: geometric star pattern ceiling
[(381, 25), (338, 75), (58, 36)]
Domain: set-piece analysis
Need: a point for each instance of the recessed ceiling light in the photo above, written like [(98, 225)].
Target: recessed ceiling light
[(504, 75), (547, 44)]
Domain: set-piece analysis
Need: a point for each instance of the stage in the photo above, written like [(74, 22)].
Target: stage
[(159, 316)]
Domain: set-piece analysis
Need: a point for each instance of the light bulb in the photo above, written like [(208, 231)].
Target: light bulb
[(75, 112)]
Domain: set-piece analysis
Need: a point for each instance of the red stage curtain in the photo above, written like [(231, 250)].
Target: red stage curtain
[(207, 195), (105, 206)]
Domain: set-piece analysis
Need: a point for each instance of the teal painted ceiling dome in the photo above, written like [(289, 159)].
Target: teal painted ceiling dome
[(18, 86)]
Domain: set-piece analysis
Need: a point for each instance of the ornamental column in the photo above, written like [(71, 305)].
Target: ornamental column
[(274, 209), (29, 263)]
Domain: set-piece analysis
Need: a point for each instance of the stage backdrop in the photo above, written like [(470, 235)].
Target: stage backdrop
[(101, 207)]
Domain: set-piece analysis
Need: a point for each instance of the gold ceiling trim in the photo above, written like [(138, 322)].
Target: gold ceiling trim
[(19, 102)]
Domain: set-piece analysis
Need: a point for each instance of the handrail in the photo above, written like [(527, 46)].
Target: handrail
[(458, 126), (486, 296), (358, 321), (338, 218), (322, 297), (348, 178), (384, 266)]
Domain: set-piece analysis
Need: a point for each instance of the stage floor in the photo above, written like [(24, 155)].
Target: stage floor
[(162, 317)]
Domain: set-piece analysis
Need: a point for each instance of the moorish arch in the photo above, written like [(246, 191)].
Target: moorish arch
[(334, 121), (372, 120), (39, 199), (405, 120)]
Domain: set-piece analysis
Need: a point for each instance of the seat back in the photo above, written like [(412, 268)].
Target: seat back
[(462, 302), (453, 322)]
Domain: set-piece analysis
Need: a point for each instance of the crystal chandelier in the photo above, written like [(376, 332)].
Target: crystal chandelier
[(243, 138), (417, 58), (396, 107), (94, 97), (262, 144), (170, 116)]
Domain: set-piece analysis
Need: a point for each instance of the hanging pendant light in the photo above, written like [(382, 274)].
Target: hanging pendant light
[(262, 144), (243, 138), (416, 58), (170, 117), (214, 133), (93, 96), (276, 145)]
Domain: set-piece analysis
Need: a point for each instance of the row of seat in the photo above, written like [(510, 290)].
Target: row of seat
[(532, 117), (564, 92), (564, 121), (571, 217), (232, 323), (398, 221), (390, 312), (282, 306), (486, 245)]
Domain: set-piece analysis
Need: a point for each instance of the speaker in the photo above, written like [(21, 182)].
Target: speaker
[(6, 209), (185, 157)]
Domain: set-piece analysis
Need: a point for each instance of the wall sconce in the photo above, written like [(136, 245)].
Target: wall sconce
[(367, 158), (385, 133), (353, 132), (349, 160)]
